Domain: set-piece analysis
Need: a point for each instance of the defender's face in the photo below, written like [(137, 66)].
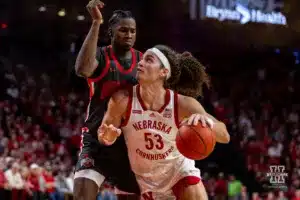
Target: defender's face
[(124, 33)]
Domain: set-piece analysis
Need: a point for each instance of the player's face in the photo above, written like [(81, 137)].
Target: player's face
[(150, 69), (124, 33)]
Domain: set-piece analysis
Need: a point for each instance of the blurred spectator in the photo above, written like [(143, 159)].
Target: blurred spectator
[(15, 181), (61, 148), (293, 117), (270, 196), (107, 194), (297, 195), (255, 196), (13, 91), (3, 182), (244, 194), (281, 196), (14, 178), (25, 176), (234, 188), (261, 73), (61, 183), (51, 190), (66, 129), (70, 181), (221, 187), (2, 141), (210, 187), (34, 181), (275, 150)]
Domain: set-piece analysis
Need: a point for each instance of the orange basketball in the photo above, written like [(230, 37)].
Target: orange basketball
[(195, 142)]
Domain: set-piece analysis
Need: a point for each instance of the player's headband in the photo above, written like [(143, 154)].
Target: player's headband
[(163, 59)]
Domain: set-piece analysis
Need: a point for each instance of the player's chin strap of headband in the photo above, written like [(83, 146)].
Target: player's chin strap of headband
[(164, 60)]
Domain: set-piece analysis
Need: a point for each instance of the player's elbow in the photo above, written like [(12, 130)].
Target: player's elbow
[(225, 139), (85, 67), (222, 135), (80, 70)]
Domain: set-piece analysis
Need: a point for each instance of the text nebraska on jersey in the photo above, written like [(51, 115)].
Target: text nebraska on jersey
[(152, 124)]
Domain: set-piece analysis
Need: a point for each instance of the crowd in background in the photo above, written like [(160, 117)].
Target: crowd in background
[(41, 122), (35, 160), (261, 110)]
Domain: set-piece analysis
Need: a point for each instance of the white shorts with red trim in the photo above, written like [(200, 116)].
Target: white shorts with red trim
[(169, 186), (175, 192)]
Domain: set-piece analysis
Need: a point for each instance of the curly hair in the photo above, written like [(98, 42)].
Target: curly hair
[(188, 75), (117, 16)]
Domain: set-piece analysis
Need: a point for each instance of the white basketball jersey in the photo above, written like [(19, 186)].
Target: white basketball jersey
[(150, 137)]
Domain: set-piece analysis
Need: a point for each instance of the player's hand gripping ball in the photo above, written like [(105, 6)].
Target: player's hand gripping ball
[(196, 139)]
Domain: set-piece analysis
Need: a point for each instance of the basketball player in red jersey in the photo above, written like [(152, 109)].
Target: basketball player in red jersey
[(149, 116), (106, 69)]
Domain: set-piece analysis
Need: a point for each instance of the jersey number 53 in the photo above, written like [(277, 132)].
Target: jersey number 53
[(153, 140)]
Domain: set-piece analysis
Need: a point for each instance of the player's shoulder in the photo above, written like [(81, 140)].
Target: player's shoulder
[(120, 100), (102, 49), (101, 54), (122, 95), (186, 100)]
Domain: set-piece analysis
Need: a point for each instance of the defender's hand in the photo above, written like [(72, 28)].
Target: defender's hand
[(94, 7), (107, 135)]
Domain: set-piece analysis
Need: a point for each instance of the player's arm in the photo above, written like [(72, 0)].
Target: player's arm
[(109, 130), (191, 111), (86, 61)]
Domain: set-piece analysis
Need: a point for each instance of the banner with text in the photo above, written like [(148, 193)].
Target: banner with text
[(243, 11)]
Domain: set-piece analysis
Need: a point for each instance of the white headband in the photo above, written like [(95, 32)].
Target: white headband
[(163, 59)]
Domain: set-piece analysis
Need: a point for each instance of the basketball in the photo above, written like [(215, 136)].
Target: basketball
[(195, 142)]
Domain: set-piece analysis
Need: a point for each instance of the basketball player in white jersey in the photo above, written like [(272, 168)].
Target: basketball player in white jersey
[(149, 116)]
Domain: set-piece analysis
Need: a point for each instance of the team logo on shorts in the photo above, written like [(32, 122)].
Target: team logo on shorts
[(85, 130), (167, 113), (87, 162)]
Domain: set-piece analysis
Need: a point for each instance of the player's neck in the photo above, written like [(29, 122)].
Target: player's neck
[(152, 95), (121, 52)]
